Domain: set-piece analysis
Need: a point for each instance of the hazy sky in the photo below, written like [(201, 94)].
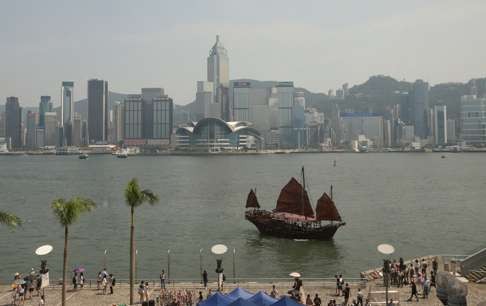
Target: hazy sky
[(317, 44)]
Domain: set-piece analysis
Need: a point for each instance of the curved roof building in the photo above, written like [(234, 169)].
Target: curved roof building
[(216, 135)]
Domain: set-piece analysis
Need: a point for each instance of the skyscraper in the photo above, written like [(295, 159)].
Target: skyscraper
[(13, 122), (218, 74), (45, 106), (98, 122), (67, 102), (473, 120), (117, 122), (50, 129), (67, 105), (440, 125), (420, 100), (31, 126), (76, 130), (2, 124)]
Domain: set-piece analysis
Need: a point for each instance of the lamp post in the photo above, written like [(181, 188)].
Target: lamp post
[(219, 250), (136, 264), (168, 266), (234, 266), (104, 259), (386, 249), (44, 272), (200, 265)]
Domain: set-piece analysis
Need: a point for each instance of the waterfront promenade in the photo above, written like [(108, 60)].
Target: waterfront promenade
[(326, 290)]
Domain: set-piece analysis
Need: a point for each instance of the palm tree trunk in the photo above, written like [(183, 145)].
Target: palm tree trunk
[(132, 255), (64, 267)]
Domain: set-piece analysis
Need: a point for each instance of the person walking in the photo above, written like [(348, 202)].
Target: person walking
[(347, 293), (146, 291), (81, 280), (112, 282), (413, 287), (359, 297), (75, 281), (205, 279), (308, 301), (162, 279), (104, 284), (435, 265), (317, 300), (141, 292)]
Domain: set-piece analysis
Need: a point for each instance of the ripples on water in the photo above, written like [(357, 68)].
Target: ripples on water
[(419, 202)]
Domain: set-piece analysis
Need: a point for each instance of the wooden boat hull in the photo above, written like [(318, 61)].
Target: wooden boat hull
[(267, 224)]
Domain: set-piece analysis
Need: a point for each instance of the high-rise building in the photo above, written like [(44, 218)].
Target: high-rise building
[(67, 97), (117, 122), (218, 67), (67, 109), (2, 124), (31, 130), (148, 118), (51, 135), (420, 98), (405, 107), (133, 124), (40, 137), (451, 131), (473, 120), (440, 125), (98, 120), (205, 101), (355, 124), (84, 133), (13, 122), (76, 130), (285, 98), (45, 106)]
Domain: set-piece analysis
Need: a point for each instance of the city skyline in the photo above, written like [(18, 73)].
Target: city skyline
[(331, 50)]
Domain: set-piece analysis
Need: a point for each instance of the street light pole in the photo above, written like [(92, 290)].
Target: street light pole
[(386, 249), (200, 265), (234, 266), (168, 266), (104, 259)]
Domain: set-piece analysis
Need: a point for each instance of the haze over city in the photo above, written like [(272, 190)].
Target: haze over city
[(317, 44)]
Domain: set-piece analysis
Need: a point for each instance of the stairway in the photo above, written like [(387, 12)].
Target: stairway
[(477, 275)]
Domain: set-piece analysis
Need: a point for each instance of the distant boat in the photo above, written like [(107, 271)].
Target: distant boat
[(83, 156), (122, 153), (294, 217)]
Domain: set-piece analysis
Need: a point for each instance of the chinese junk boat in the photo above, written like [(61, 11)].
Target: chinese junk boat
[(294, 217)]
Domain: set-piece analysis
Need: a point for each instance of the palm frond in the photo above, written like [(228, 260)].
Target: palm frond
[(9, 219), (134, 196), (67, 212), (150, 197)]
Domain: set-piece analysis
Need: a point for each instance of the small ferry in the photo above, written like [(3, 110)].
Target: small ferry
[(83, 156), (122, 153)]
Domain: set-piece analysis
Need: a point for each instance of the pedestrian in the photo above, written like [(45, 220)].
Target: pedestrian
[(42, 301), (200, 298), (347, 293), (426, 288), (81, 280), (146, 292), (432, 279), (205, 279), (424, 266), (99, 278), (317, 300), (359, 297), (141, 292), (162, 279), (112, 282), (413, 287), (75, 281), (274, 292), (390, 303), (104, 284), (416, 266), (308, 300), (435, 265)]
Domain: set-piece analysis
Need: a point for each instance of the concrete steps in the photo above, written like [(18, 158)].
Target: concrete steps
[(477, 275)]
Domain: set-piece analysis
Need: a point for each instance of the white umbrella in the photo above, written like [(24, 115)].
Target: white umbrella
[(295, 274)]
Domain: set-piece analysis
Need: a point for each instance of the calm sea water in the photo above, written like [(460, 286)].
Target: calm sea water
[(420, 203)]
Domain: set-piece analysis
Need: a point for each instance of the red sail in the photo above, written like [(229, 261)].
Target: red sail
[(326, 210), (251, 200), (294, 199)]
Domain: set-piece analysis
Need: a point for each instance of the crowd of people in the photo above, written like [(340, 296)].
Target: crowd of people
[(23, 288)]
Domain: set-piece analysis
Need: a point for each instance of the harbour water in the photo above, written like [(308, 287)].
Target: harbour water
[(421, 203)]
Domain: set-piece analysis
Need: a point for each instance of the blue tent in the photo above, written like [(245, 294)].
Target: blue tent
[(242, 302), (262, 299), (239, 293), (286, 301), (216, 299)]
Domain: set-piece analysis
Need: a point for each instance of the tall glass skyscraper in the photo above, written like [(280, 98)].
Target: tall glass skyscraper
[(218, 74), (98, 120), (67, 102), (45, 106)]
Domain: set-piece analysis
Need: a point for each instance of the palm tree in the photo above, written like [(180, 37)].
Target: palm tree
[(9, 220), (135, 197), (67, 212)]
